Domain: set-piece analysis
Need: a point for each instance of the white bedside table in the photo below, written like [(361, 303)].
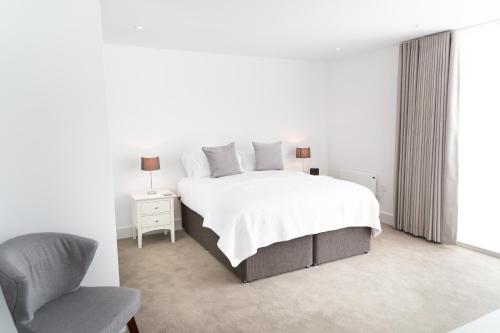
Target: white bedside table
[(153, 212)]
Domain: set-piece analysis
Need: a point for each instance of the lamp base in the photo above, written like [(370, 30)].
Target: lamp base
[(152, 192)]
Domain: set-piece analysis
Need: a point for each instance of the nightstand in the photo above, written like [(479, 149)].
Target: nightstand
[(153, 212)]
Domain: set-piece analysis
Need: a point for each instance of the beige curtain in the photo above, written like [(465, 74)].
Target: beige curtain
[(426, 163)]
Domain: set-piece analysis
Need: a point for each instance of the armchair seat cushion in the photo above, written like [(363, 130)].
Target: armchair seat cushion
[(88, 309)]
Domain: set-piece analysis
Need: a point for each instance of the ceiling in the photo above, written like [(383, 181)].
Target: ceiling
[(301, 29)]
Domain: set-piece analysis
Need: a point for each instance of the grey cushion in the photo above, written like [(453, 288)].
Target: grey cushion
[(37, 268), (89, 309), (222, 160), (268, 156)]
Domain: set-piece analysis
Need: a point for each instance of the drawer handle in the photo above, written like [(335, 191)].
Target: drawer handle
[(156, 207), (156, 221)]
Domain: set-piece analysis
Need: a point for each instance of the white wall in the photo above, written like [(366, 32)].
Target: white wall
[(167, 102), (55, 165), (363, 119)]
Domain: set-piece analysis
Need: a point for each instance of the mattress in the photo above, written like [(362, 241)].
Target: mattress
[(255, 209)]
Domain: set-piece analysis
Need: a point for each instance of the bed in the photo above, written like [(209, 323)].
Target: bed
[(263, 223)]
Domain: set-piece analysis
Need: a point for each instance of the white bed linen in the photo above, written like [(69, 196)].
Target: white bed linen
[(255, 209)]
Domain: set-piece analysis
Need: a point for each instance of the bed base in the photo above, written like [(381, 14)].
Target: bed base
[(271, 260), (339, 244), (285, 256)]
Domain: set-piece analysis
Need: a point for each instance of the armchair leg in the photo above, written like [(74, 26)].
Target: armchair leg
[(132, 326)]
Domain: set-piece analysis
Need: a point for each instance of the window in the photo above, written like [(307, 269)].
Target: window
[(479, 137)]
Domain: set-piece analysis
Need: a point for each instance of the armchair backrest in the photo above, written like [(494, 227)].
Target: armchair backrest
[(37, 268)]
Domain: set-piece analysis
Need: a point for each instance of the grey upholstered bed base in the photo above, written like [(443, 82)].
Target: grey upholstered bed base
[(339, 244), (271, 260), (285, 256)]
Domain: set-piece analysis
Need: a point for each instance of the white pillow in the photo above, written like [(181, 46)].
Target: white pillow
[(196, 164), (247, 161)]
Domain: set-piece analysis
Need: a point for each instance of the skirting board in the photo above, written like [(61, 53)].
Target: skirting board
[(387, 218), (126, 232)]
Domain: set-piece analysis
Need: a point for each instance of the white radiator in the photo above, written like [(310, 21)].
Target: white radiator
[(364, 178)]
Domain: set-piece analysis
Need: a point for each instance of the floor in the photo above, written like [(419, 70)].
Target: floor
[(404, 284), (486, 324)]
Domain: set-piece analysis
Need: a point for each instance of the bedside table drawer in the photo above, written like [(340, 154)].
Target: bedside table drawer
[(155, 220), (155, 207)]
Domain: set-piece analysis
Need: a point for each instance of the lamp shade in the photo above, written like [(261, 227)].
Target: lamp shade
[(150, 163), (304, 152)]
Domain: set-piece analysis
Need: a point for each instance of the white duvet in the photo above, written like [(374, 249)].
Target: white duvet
[(259, 208)]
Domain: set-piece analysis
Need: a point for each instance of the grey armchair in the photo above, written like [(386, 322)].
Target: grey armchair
[(40, 275)]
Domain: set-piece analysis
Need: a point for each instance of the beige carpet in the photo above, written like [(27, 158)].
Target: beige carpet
[(404, 284)]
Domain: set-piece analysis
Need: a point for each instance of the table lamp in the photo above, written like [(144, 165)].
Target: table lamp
[(150, 164), (303, 152)]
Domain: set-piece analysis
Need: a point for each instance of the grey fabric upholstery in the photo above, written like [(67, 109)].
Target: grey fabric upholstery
[(37, 268), (40, 276), (341, 243), (222, 160), (268, 156), (96, 310), (271, 260)]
